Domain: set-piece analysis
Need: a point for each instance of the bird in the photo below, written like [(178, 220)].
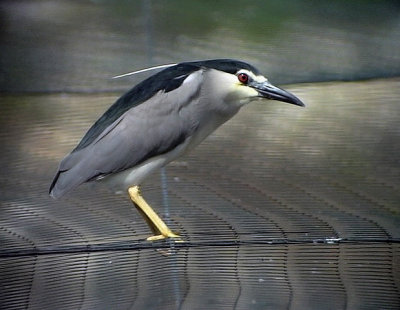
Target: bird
[(158, 120)]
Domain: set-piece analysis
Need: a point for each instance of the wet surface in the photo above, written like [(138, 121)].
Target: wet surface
[(281, 208)]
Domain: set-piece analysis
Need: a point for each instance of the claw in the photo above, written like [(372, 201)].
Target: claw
[(172, 236)]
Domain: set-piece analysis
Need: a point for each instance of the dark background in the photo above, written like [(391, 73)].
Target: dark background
[(80, 45)]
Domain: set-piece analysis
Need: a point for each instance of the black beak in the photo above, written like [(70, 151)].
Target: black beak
[(269, 91)]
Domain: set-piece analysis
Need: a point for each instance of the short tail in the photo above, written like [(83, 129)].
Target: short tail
[(64, 182), (52, 191)]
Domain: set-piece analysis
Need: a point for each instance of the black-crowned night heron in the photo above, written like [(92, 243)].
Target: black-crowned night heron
[(157, 121)]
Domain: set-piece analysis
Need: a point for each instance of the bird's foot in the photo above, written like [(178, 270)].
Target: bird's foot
[(169, 235)]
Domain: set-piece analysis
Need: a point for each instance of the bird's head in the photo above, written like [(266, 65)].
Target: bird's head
[(242, 83)]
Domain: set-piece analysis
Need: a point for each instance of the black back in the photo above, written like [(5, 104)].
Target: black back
[(165, 80)]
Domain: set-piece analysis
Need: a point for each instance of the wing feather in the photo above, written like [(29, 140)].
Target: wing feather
[(152, 128)]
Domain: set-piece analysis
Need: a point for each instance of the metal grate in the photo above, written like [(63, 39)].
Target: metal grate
[(281, 208)]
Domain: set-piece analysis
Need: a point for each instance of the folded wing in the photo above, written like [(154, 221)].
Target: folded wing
[(153, 127)]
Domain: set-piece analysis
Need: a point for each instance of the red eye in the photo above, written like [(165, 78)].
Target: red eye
[(243, 78)]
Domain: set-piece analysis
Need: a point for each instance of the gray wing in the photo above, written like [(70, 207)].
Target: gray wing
[(154, 127)]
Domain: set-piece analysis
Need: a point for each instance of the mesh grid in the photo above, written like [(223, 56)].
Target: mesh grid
[(281, 208)]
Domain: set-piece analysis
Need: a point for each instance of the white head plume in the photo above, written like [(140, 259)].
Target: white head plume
[(143, 70)]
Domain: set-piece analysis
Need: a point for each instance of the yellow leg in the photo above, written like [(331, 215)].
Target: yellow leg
[(157, 225)]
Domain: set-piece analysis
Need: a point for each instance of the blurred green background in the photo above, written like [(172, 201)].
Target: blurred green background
[(79, 45)]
